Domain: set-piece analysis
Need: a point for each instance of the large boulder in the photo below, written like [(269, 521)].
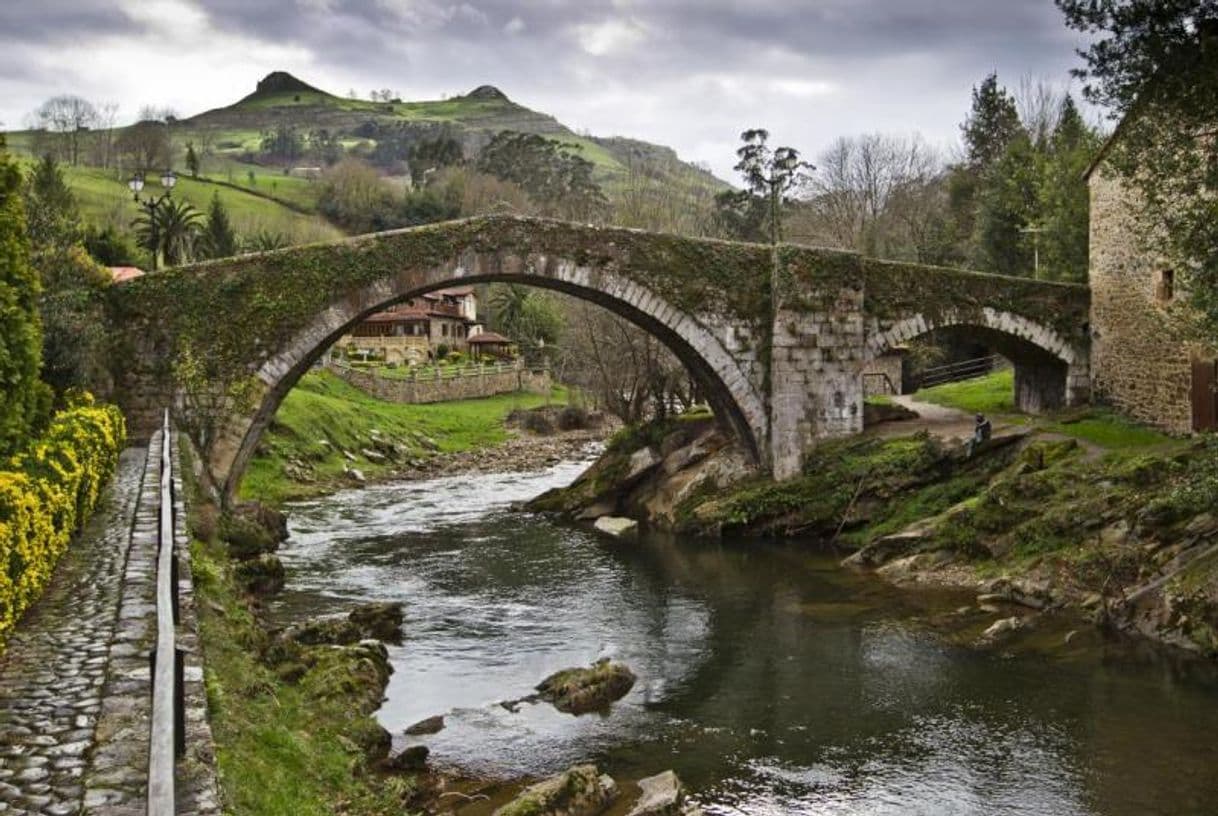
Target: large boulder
[(431, 725), (662, 795), (579, 791), (411, 758), (357, 674), (245, 537), (378, 620), (262, 575), (580, 690), (617, 526)]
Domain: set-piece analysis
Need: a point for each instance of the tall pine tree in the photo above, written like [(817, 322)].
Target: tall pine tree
[(1064, 197), (219, 239)]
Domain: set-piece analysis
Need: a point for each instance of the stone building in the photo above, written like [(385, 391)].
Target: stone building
[(415, 330), (1146, 360)]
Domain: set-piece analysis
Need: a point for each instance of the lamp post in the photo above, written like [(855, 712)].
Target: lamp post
[(136, 185), (1035, 233)]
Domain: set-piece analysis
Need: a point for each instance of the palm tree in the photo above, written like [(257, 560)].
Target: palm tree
[(510, 302), (169, 231)]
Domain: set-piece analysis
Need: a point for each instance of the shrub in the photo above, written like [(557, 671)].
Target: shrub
[(46, 494), (23, 399)]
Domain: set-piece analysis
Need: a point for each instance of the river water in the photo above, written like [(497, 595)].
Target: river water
[(772, 681)]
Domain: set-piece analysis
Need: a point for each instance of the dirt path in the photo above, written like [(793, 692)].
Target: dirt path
[(955, 425)]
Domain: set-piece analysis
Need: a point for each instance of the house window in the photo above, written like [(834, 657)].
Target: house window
[(1165, 285)]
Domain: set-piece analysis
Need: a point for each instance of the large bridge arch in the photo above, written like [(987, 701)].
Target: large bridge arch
[(731, 393)]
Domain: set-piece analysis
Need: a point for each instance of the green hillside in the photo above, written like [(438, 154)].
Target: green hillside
[(265, 192)]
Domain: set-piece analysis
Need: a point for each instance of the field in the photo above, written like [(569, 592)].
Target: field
[(323, 416), (993, 395), (105, 201)]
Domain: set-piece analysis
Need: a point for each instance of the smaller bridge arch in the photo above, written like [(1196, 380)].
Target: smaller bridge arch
[(1051, 371)]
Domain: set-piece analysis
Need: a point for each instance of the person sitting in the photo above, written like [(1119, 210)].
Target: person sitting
[(982, 430)]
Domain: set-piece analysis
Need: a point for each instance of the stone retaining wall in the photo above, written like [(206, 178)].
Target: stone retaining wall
[(426, 390)]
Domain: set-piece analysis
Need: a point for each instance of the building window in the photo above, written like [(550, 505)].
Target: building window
[(1165, 285)]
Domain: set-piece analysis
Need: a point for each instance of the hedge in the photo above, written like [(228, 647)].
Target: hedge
[(47, 493)]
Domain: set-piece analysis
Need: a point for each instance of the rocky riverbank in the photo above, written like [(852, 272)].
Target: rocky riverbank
[(1035, 525)]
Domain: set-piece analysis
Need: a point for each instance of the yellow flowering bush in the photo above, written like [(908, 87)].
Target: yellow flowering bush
[(47, 492)]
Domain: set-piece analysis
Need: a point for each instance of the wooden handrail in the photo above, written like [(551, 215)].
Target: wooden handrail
[(166, 680)]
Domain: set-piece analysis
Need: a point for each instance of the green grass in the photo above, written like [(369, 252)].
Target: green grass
[(104, 200), (1111, 430), (323, 407), (280, 750), (991, 394)]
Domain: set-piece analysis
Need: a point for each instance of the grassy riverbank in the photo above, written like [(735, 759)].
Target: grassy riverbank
[(325, 428), (282, 749)]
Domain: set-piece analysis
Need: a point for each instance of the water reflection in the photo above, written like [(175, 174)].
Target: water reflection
[(770, 680)]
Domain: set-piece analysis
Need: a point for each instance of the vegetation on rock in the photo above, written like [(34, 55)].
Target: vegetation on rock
[(580, 690)]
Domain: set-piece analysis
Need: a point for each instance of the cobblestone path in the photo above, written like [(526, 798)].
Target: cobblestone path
[(52, 674)]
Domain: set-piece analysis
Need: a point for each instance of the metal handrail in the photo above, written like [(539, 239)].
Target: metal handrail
[(963, 370), (166, 675)]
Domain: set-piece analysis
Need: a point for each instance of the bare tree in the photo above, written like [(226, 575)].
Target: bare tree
[(1039, 102), (865, 188), (628, 371), (70, 117), (101, 148), (145, 146)]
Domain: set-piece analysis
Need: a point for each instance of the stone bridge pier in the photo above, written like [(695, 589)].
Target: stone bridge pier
[(777, 338)]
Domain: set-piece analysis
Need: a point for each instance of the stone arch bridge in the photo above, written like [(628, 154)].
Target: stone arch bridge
[(778, 338)]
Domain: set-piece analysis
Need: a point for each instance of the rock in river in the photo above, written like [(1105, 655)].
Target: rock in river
[(412, 758), (578, 691), (578, 791), (663, 795), (431, 725), (616, 526)]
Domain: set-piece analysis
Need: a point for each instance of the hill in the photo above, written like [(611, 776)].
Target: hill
[(262, 154), (282, 100)]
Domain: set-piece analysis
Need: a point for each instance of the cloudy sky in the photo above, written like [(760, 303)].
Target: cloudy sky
[(688, 73)]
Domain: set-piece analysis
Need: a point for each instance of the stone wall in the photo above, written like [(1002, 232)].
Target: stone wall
[(430, 389), (889, 365), (1141, 349)]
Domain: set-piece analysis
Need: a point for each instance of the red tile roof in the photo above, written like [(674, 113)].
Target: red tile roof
[(489, 337), (124, 273)]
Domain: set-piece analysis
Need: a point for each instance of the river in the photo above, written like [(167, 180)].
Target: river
[(770, 680)]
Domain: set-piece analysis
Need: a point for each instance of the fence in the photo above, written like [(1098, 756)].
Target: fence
[(963, 370), (168, 731)]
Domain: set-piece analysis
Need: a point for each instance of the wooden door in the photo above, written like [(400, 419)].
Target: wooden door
[(1205, 395)]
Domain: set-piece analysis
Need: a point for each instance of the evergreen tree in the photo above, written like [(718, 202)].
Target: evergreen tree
[(1064, 197), (991, 125), (218, 240), (1007, 204), (192, 160), (50, 206), (24, 400)]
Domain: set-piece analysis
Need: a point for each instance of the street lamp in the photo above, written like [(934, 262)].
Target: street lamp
[(136, 185), (1035, 233)]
